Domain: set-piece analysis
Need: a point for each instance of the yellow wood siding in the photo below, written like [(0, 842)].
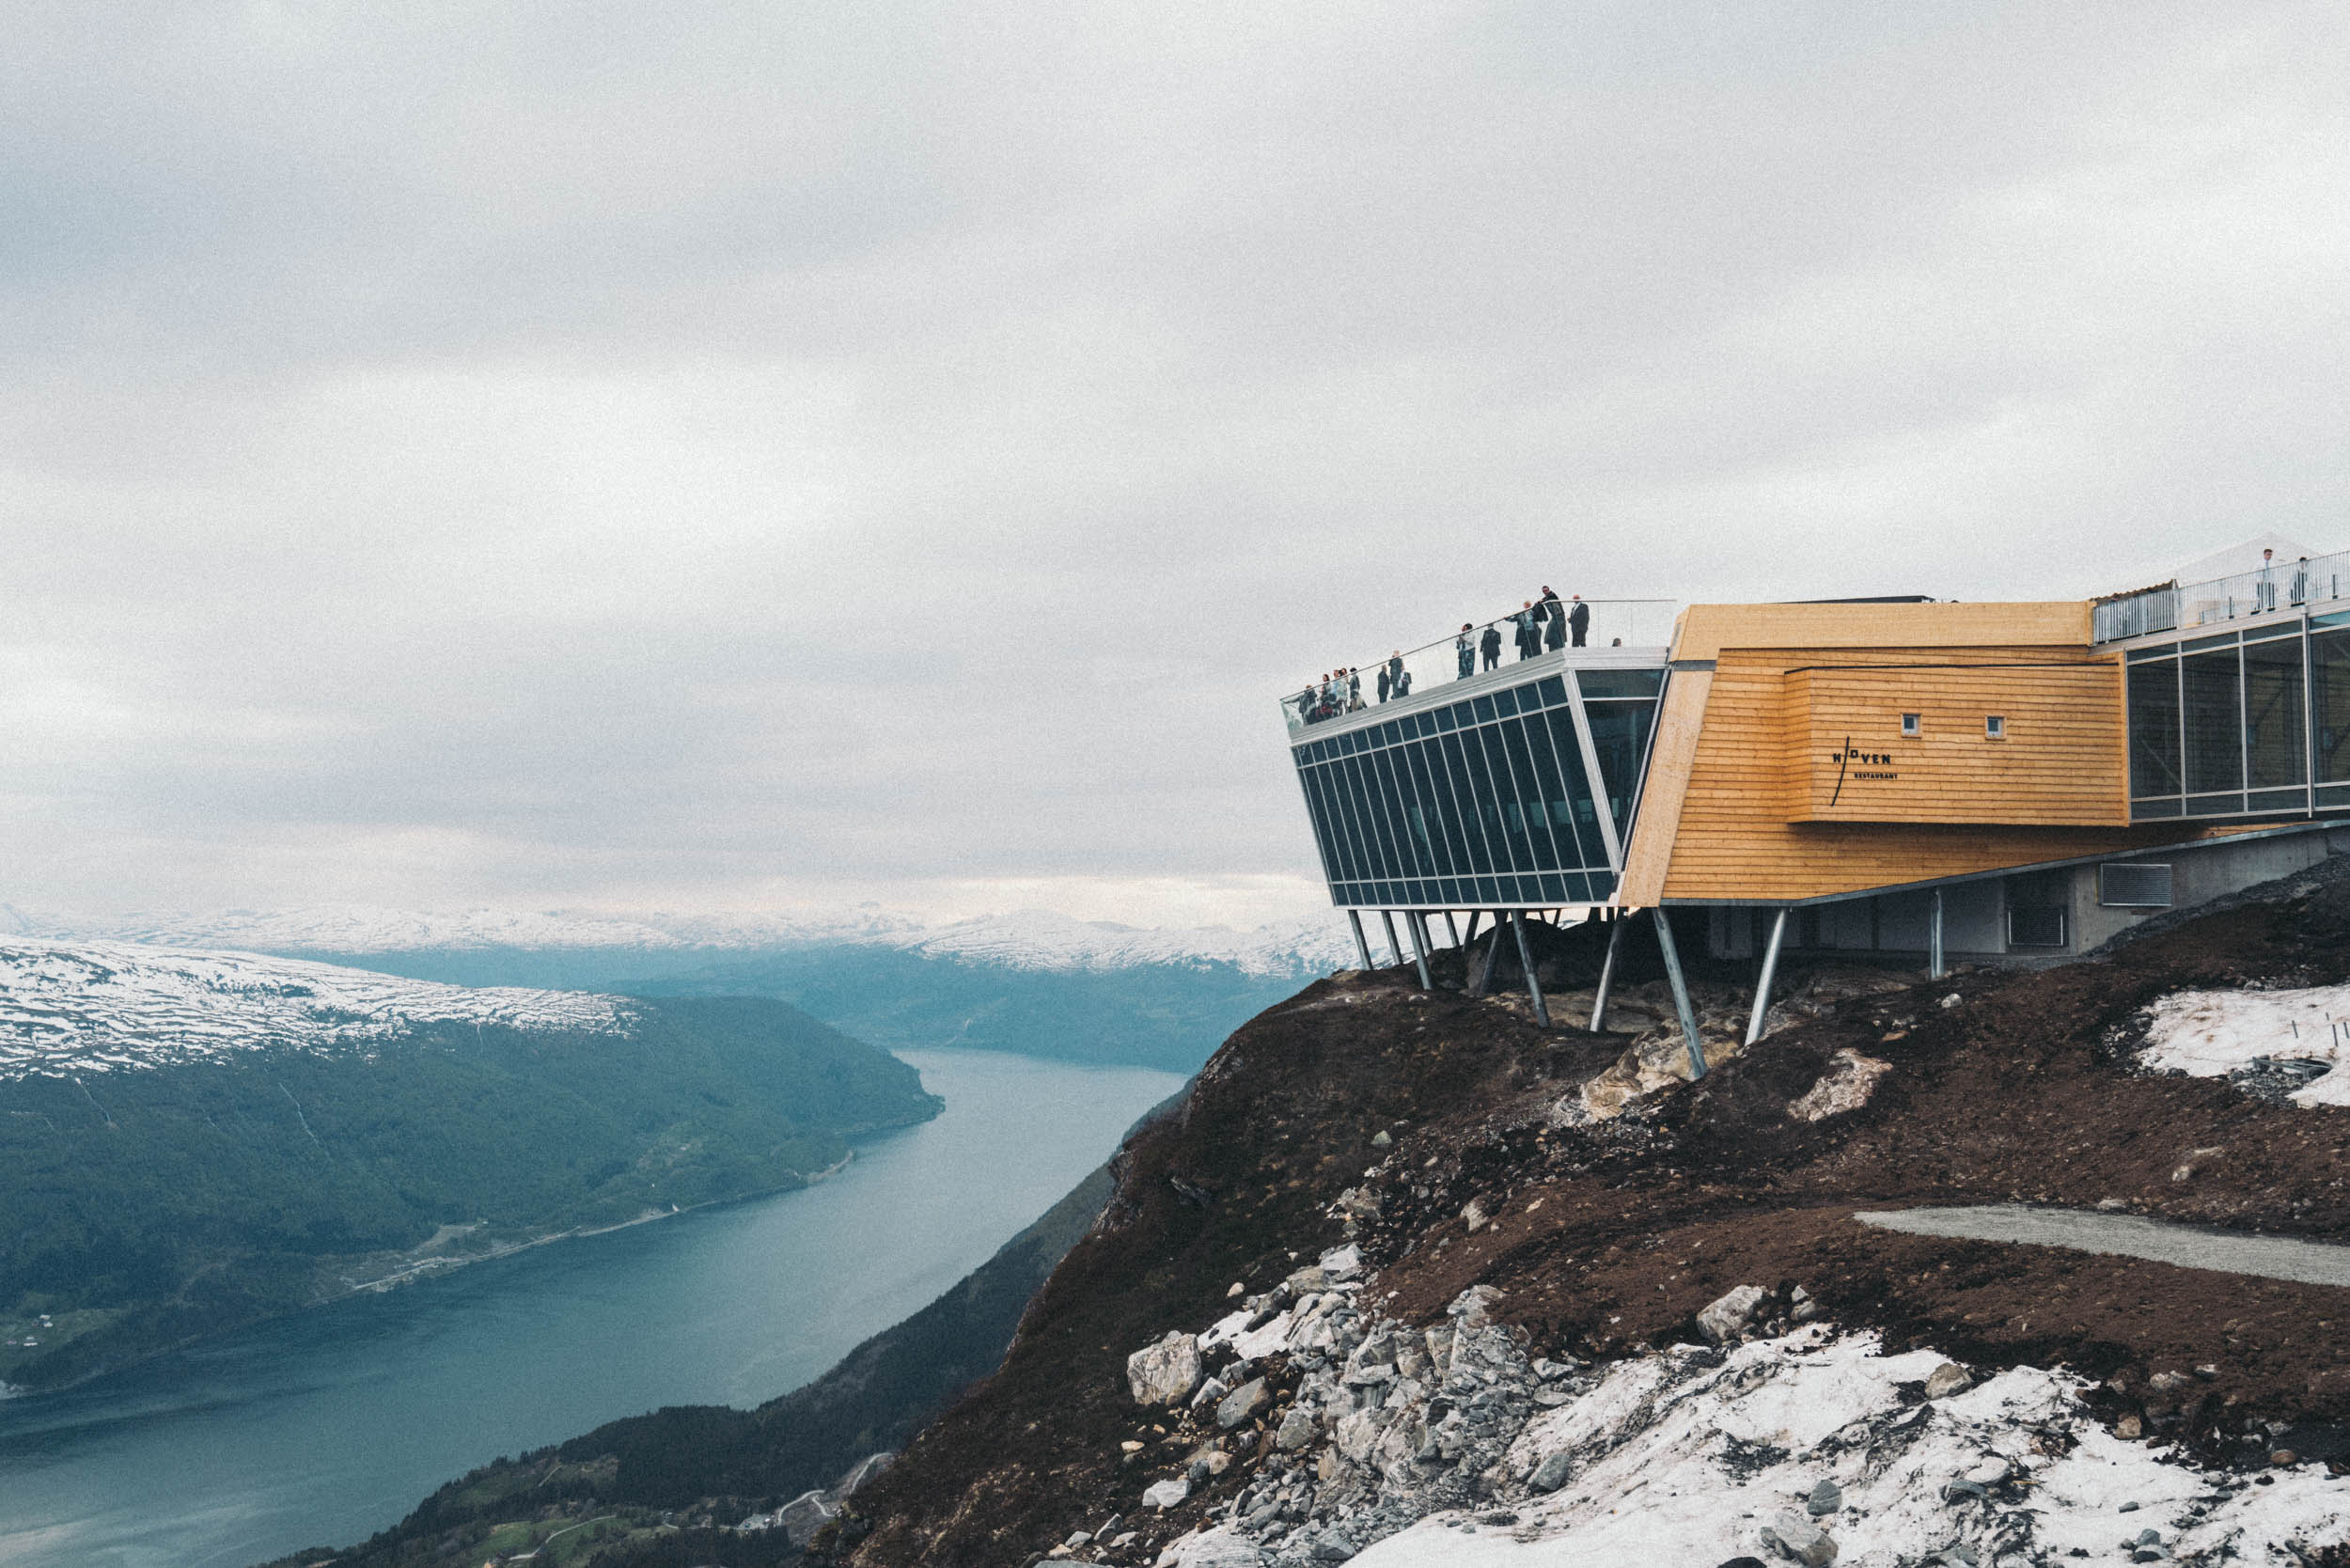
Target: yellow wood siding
[(1705, 629), (2062, 760), (1728, 834)]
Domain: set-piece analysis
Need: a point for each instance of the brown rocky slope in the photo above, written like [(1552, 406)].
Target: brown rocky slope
[(1456, 1143)]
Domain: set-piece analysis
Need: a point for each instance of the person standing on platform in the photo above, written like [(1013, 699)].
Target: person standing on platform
[(1354, 690), (1579, 619), (2265, 590), (1393, 676), (1465, 649), (2301, 581), (1528, 638), (1382, 683), (1554, 617), (1490, 645)]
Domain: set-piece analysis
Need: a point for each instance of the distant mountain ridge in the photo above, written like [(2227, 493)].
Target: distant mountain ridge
[(1032, 939)]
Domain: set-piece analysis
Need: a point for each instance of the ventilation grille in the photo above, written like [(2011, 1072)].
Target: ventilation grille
[(2134, 885)]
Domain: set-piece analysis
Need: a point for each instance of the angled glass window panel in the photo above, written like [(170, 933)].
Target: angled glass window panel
[(1377, 853), (1354, 863), (1445, 719), (2154, 810), (1402, 860), (1389, 733), (1597, 683), (1506, 702), (2333, 797), (1603, 886), (1570, 751), (2215, 805), (1427, 826), (1535, 799), (1473, 836), (1318, 814), (1486, 797), (2160, 650), (2154, 727), (2265, 801), (1550, 784), (1436, 801), (1507, 794), (1484, 707), (2329, 702), (2212, 722), (2276, 723), (1620, 734), (1424, 724), (1413, 815), (2196, 645), (1457, 855), (1553, 689), (1554, 888)]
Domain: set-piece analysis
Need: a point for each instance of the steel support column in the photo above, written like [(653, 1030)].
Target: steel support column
[(1354, 919), (1607, 971), (1387, 918), (1452, 927), (1475, 916), (1770, 972), (1681, 994), (1419, 948), (1526, 957), (1934, 969)]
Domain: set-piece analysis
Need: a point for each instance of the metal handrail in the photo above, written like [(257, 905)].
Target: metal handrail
[(2281, 586)]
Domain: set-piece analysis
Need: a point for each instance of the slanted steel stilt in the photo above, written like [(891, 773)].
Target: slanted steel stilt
[(1451, 928), (1934, 939), (1608, 970), (1354, 919), (1387, 918), (1681, 994), (1526, 957), (1482, 980), (1419, 948), (1475, 916), (1762, 986)]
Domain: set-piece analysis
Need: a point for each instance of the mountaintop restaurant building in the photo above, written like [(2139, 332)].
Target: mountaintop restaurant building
[(1923, 781)]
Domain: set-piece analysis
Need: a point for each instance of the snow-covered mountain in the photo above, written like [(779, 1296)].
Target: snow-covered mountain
[(102, 1006), (1025, 939)]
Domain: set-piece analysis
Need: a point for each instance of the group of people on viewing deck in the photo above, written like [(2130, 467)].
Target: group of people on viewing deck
[(1547, 623)]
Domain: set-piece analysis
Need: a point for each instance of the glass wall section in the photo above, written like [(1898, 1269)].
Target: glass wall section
[(2330, 713), (1486, 802), (1620, 705), (2154, 721), (2276, 726), (2212, 709)]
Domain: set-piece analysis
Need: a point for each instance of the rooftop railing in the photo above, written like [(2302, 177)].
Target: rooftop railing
[(2280, 587), (1477, 647)]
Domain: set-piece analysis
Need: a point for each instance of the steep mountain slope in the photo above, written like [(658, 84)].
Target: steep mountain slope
[(189, 1140), (1408, 1278)]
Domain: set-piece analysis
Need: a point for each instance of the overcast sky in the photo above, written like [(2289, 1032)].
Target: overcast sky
[(727, 456)]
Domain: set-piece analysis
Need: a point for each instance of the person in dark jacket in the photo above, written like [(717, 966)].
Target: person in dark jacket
[(1490, 645), (1529, 622), (1394, 677), (1465, 649), (1553, 615), (1579, 619), (1382, 683)]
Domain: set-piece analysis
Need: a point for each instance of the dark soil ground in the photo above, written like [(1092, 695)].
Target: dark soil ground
[(1610, 1237)]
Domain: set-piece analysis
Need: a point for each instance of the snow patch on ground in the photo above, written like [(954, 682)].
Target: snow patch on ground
[(2210, 1034), (103, 1007), (1687, 1455)]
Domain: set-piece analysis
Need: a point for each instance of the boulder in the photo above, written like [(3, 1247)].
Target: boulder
[(1341, 1263), (1825, 1498), (1948, 1379), (1243, 1404), (1474, 1307), (1165, 1494), (1847, 1084), (1551, 1474), (1724, 1319), (1796, 1538), (1298, 1428), (1165, 1372)]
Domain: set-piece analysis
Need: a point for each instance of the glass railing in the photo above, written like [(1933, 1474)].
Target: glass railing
[(2280, 585), (1478, 649)]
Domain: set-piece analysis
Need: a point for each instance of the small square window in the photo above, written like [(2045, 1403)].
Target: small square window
[(1995, 727), (1909, 724)]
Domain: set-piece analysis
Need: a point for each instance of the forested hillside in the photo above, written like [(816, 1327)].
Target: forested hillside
[(147, 1205)]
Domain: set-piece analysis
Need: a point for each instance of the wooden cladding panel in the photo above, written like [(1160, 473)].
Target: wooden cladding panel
[(1705, 631), (1733, 836), (2062, 762)]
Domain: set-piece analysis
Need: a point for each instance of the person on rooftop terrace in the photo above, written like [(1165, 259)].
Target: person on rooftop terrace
[(1354, 690), (1465, 649), (2265, 591), (1554, 617), (1529, 622), (1579, 620), (1490, 645), (1397, 682), (2301, 581)]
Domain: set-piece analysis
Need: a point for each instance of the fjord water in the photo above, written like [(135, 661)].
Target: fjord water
[(322, 1428)]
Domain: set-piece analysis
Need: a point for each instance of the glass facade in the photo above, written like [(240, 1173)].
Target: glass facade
[(1487, 802), (2242, 724)]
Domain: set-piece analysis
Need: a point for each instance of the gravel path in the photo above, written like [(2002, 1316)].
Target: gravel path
[(2130, 1236)]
